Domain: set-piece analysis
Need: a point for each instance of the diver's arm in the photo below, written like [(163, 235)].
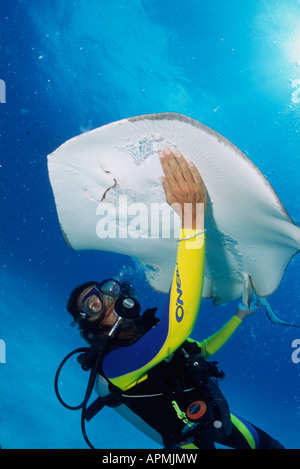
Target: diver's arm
[(125, 366), (213, 343), (186, 290), (186, 193)]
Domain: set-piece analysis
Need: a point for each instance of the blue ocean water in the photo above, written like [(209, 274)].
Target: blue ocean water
[(70, 66)]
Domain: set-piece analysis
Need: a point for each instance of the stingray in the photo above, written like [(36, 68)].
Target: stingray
[(107, 190)]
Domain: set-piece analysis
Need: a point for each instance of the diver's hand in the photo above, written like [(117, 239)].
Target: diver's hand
[(184, 188), (243, 312)]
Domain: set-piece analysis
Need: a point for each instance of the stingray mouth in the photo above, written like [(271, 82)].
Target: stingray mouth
[(96, 196), (108, 189)]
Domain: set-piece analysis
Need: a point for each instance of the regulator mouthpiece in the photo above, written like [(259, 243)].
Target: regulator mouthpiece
[(127, 308)]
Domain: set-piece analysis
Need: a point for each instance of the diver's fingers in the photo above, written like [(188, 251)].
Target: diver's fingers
[(173, 179), (168, 166), (199, 183), (185, 168), (184, 180), (176, 169), (187, 175), (195, 174), (175, 165), (167, 189), (255, 305)]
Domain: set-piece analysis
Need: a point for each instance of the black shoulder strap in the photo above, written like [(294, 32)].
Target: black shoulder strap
[(88, 360)]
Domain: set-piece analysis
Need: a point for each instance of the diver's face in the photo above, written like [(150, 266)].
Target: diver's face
[(98, 305), (94, 304)]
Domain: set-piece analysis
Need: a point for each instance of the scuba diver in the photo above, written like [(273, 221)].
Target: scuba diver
[(150, 365)]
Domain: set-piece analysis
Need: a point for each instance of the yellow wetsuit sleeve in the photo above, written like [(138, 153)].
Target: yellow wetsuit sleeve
[(213, 343), (126, 365), (186, 291)]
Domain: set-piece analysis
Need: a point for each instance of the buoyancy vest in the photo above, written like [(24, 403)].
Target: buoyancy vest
[(180, 398), (178, 401)]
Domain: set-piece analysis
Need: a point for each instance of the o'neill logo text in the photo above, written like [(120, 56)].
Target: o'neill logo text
[(179, 303)]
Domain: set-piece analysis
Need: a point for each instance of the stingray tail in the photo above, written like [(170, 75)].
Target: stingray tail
[(272, 316), (249, 296)]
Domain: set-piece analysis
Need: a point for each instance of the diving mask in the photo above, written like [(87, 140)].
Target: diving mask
[(92, 302)]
